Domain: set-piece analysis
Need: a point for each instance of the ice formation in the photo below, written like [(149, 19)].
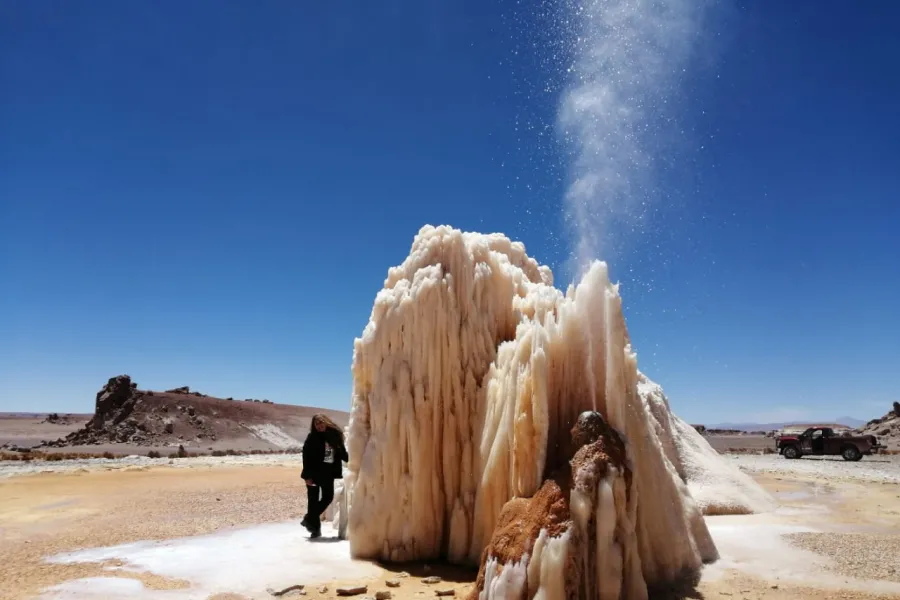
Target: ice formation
[(233, 563), (467, 381), (718, 488)]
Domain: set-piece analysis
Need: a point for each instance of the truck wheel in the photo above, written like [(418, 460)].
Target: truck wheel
[(791, 452), (851, 453)]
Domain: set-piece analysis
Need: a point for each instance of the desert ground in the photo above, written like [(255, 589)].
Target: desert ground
[(227, 528), (740, 443), (30, 429)]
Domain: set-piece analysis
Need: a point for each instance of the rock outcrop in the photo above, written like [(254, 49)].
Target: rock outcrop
[(886, 428), (114, 403), (112, 421), (125, 414)]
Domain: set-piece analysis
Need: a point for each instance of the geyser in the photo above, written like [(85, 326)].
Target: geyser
[(626, 59), (467, 383)]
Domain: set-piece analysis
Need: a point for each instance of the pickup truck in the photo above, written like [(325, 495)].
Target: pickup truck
[(823, 441)]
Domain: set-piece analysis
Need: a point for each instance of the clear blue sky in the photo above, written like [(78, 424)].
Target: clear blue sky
[(210, 194)]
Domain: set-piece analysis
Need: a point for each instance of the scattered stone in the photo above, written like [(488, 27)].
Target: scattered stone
[(403, 574), (287, 590), (431, 579), (352, 591), (445, 592), (323, 589), (52, 418), (383, 595), (393, 583)]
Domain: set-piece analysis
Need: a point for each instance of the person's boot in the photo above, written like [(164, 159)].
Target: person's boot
[(306, 523), (315, 531)]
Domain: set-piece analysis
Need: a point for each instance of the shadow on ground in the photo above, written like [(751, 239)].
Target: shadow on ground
[(448, 573)]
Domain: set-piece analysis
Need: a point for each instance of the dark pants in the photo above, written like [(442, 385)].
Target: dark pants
[(318, 497)]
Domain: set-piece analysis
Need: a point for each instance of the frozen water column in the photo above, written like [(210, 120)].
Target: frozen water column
[(467, 380), (418, 386)]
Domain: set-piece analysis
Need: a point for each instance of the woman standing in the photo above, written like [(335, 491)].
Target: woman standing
[(323, 454)]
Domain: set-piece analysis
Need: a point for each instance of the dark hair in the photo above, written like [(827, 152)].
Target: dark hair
[(329, 424)]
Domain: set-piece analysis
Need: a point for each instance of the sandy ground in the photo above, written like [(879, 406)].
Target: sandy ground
[(837, 534), (139, 462), (723, 443), (30, 429), (45, 514)]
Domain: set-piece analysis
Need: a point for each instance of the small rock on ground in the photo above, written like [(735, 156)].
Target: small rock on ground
[(285, 591), (352, 591)]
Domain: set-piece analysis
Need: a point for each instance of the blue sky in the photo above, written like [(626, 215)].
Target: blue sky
[(211, 193)]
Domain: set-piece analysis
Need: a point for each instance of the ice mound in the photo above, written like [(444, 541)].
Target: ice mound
[(717, 486), (467, 382)]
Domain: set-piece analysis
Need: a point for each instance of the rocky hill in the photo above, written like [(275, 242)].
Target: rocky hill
[(127, 415), (886, 429)]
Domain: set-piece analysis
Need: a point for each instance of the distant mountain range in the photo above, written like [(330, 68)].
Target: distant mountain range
[(851, 422)]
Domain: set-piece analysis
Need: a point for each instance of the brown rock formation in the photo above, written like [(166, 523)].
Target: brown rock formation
[(125, 414), (114, 403), (528, 526)]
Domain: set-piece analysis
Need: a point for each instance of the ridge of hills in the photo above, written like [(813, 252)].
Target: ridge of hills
[(128, 417)]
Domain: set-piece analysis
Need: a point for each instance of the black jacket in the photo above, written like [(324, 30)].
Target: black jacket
[(314, 465)]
